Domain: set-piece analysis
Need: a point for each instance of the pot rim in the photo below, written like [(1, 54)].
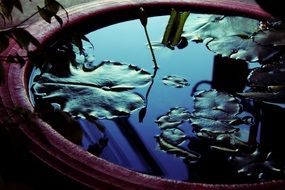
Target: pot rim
[(68, 158)]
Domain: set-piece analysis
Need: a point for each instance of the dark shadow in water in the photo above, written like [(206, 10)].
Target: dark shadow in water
[(229, 75), (272, 7), (132, 136), (272, 128)]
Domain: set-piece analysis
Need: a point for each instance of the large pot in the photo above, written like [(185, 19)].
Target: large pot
[(71, 160)]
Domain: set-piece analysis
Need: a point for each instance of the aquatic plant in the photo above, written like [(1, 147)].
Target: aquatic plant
[(107, 89)]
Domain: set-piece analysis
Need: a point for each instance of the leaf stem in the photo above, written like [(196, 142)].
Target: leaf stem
[(151, 49), (143, 19)]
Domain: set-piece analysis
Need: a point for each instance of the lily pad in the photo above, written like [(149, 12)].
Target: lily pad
[(212, 126), (175, 81), (267, 83), (205, 26), (215, 116), (235, 37), (173, 118), (102, 92), (273, 35), (216, 105), (189, 155), (173, 136), (241, 47), (268, 75)]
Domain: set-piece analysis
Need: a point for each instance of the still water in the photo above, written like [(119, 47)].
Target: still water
[(126, 42), (133, 144)]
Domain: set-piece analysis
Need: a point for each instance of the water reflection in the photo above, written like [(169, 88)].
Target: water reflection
[(228, 153)]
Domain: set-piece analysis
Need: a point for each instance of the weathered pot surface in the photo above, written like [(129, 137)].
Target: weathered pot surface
[(71, 160)]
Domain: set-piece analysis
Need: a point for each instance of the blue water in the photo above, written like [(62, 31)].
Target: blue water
[(126, 42), (132, 144)]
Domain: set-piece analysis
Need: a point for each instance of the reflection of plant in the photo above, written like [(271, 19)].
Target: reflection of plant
[(267, 83), (258, 165)]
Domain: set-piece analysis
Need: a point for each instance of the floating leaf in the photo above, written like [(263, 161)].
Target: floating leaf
[(216, 105), (173, 136), (236, 37), (173, 118), (175, 81), (211, 126), (273, 35), (101, 93), (268, 83), (218, 26), (214, 117), (267, 75), (239, 47), (189, 155)]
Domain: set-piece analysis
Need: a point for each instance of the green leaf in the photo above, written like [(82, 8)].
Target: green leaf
[(77, 41), (216, 105), (189, 155), (4, 41), (211, 126), (206, 26), (177, 114), (101, 93), (59, 20), (18, 5), (173, 136), (273, 36), (24, 38), (87, 40), (234, 37), (45, 14), (52, 6), (237, 47), (175, 81), (174, 28), (267, 83), (267, 75)]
